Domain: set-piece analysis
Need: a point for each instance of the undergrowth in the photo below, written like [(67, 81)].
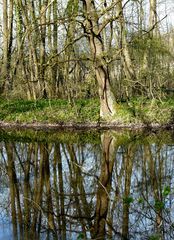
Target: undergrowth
[(136, 111), (49, 111)]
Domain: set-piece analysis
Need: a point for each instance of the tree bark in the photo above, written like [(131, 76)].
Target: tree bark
[(91, 26), (42, 47), (7, 84), (153, 17), (125, 54)]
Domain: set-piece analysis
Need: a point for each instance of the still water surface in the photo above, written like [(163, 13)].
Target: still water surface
[(86, 185)]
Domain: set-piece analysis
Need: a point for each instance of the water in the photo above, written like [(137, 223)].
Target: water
[(86, 185)]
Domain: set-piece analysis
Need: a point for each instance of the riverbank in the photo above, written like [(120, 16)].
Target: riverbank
[(82, 126), (84, 114)]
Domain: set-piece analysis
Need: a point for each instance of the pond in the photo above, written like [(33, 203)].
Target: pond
[(86, 185)]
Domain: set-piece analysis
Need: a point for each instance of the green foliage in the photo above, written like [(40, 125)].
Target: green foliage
[(145, 111), (150, 55), (19, 20), (159, 205), (49, 111), (128, 200), (140, 200), (80, 236), (166, 191), (49, 136), (72, 7), (139, 111), (154, 237), (156, 46)]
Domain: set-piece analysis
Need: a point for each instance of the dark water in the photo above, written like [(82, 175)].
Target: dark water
[(86, 185)]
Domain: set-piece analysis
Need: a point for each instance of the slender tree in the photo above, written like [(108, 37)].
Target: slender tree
[(7, 84)]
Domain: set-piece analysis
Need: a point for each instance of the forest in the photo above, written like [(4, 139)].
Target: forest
[(113, 51), (86, 102)]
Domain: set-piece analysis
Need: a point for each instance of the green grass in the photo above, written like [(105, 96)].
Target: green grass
[(49, 111), (136, 111), (145, 111)]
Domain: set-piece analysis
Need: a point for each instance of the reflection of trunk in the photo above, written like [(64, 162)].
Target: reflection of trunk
[(128, 163), (155, 184), (50, 212), (74, 178), (27, 192), (107, 99), (14, 190), (119, 175), (79, 182), (86, 206), (12, 186), (56, 189), (104, 186), (38, 190), (61, 190)]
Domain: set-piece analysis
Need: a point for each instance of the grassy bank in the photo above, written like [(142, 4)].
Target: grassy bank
[(136, 111), (49, 111)]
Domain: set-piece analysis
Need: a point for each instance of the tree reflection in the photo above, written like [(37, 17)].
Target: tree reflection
[(104, 186), (119, 189)]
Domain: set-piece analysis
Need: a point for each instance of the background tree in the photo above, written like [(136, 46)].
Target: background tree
[(6, 82)]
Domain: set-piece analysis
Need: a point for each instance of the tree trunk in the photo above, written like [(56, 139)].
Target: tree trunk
[(42, 47), (126, 58), (55, 49), (7, 84), (104, 186), (153, 17), (91, 25), (128, 164)]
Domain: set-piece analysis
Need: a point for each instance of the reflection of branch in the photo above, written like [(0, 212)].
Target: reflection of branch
[(40, 208), (3, 157), (96, 177), (74, 216), (157, 212), (113, 229)]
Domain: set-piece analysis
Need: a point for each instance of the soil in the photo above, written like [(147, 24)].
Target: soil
[(82, 126)]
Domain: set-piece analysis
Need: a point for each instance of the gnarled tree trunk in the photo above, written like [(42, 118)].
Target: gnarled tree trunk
[(91, 25)]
